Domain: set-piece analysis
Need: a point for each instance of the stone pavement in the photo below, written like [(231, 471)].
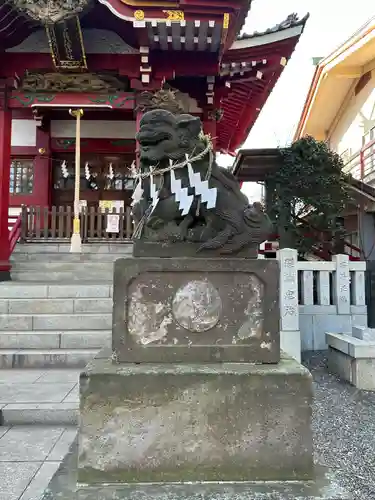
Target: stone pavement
[(30, 450), (29, 456), (39, 397)]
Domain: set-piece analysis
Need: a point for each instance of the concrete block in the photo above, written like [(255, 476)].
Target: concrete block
[(360, 372), (86, 340), (29, 340), (52, 358), (338, 341), (93, 305), (41, 414), (358, 310), (38, 485), (15, 477), (339, 364), (37, 248), (60, 376), (334, 324), (290, 343), (73, 396), (79, 290), (14, 290), (359, 320), (364, 374), (212, 422), (3, 306), (61, 266), (35, 393), (62, 446), (306, 329), (352, 359), (63, 276), (21, 376), (28, 443), (14, 322), (364, 333), (74, 322), (40, 306)]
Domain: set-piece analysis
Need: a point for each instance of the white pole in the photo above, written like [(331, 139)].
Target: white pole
[(76, 242)]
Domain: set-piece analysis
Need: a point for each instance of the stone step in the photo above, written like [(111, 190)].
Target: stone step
[(40, 414), (55, 322), (96, 248), (46, 358), (67, 276), (80, 267), (74, 339), (27, 290), (68, 257), (55, 306)]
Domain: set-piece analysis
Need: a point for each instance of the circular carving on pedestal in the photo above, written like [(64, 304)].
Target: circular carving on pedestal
[(197, 306)]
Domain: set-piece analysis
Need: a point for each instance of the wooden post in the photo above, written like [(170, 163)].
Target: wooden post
[(5, 137), (76, 241)]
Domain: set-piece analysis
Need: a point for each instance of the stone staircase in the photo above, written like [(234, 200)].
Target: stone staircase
[(57, 310)]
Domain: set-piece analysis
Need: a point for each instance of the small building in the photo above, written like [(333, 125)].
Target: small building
[(102, 56), (340, 109)]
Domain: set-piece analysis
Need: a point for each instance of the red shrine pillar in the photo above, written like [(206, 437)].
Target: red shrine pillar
[(5, 149)]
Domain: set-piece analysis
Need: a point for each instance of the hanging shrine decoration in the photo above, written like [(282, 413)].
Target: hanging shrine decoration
[(196, 185), (64, 170), (90, 178)]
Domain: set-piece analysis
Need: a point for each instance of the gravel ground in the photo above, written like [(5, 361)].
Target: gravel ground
[(344, 430)]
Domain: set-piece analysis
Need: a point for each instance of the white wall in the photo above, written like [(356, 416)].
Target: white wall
[(23, 132), (94, 129), (350, 127)]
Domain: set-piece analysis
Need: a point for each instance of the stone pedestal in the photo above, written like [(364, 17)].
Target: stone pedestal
[(194, 310), (190, 422), (194, 401)]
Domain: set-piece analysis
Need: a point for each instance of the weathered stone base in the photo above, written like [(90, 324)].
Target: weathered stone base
[(323, 488), (184, 249), (63, 486), (352, 359), (213, 422)]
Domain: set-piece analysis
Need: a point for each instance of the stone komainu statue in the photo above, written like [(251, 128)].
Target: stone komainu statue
[(182, 195)]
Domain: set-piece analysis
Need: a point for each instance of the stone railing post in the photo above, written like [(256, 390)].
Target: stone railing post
[(341, 284), (358, 288), (290, 337)]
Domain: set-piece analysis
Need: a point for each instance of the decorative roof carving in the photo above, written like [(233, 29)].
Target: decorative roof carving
[(166, 99), (51, 11), (290, 22), (60, 82)]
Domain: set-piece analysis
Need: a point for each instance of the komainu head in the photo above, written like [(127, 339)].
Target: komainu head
[(164, 136)]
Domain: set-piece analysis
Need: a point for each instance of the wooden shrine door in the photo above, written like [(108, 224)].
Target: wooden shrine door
[(103, 178)]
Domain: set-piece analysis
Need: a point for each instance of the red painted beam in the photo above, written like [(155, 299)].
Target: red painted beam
[(5, 135), (11, 64), (120, 100)]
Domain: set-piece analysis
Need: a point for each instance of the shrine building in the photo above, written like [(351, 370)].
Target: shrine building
[(101, 56)]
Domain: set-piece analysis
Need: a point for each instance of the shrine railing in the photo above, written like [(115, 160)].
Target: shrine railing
[(56, 223), (318, 297), (361, 165)]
